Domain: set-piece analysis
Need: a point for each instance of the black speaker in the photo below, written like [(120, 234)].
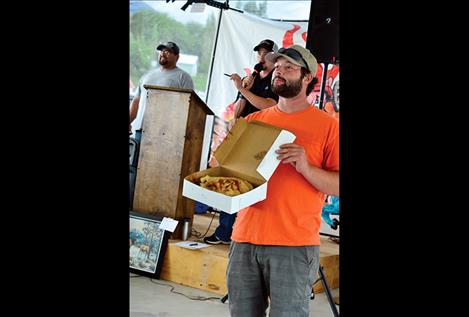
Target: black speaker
[(323, 30)]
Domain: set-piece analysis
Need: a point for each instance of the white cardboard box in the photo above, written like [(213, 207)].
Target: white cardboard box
[(248, 152)]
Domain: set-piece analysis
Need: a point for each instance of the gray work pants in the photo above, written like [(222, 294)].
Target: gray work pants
[(282, 274)]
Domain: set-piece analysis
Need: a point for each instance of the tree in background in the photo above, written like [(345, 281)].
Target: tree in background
[(256, 8), (148, 28)]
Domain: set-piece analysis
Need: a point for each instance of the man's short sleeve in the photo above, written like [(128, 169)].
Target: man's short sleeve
[(187, 82)]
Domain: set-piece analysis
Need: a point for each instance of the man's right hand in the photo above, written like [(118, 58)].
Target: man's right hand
[(237, 81), (248, 81)]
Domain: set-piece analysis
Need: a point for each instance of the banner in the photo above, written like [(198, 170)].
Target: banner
[(239, 33)]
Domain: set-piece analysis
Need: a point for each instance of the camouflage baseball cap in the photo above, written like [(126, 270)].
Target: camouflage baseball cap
[(170, 46), (297, 55)]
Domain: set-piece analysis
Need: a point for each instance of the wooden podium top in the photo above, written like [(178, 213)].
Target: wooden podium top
[(192, 92)]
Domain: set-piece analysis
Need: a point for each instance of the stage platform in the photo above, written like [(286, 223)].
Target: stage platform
[(205, 268)]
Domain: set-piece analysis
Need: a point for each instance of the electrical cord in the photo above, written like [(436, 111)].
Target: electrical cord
[(200, 298), (197, 234), (317, 280)]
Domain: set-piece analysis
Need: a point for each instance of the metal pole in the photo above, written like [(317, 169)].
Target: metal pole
[(224, 298), (323, 85), (328, 292), (213, 57)]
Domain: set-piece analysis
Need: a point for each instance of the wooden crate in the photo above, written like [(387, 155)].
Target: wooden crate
[(170, 149), (205, 269)]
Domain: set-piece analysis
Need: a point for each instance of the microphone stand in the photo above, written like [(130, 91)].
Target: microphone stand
[(220, 5), (323, 85)]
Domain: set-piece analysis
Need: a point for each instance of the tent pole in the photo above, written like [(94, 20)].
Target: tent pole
[(213, 57)]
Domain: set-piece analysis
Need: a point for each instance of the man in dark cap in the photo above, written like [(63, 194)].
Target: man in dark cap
[(254, 91), (167, 75)]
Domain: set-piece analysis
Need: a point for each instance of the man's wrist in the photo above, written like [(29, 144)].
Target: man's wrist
[(242, 91)]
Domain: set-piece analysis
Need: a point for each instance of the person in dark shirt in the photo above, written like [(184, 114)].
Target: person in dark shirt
[(254, 93)]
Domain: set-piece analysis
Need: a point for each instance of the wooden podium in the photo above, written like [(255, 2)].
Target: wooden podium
[(170, 149)]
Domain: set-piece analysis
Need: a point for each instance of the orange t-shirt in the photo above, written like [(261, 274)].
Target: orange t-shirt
[(291, 213)]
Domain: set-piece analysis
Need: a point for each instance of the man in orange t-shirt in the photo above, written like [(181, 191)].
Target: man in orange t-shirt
[(275, 243)]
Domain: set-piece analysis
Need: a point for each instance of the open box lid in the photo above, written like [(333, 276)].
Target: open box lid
[(249, 148)]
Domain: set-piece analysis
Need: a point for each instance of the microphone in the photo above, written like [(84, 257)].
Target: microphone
[(257, 68)]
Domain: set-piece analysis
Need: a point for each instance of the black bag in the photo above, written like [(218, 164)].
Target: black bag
[(133, 151), (133, 162)]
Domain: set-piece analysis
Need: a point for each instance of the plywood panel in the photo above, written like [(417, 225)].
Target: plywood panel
[(192, 153), (161, 152), (331, 271), (196, 268)]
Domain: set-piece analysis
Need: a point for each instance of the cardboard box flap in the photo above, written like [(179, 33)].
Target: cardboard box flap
[(248, 144), (270, 162), (224, 149)]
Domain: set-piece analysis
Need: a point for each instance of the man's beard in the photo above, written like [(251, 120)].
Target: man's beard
[(163, 61), (287, 89)]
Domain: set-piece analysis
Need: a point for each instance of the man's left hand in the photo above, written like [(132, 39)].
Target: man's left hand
[(295, 155)]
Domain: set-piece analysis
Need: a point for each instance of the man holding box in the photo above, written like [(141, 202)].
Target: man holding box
[(275, 243)]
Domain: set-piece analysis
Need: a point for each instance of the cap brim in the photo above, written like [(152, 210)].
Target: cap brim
[(266, 46), (161, 46), (272, 57)]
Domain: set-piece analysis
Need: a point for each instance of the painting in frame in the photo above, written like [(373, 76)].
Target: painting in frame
[(147, 244)]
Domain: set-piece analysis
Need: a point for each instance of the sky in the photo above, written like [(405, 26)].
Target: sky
[(278, 9)]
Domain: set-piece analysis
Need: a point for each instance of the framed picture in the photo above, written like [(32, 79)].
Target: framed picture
[(147, 243), (330, 218)]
